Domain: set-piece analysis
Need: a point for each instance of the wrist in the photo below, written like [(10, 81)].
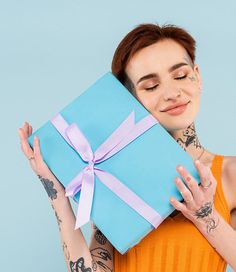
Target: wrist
[(60, 201), (209, 224)]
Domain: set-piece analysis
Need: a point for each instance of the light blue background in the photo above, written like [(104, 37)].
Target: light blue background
[(52, 50)]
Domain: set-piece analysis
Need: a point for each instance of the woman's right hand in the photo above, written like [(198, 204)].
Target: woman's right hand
[(51, 184)]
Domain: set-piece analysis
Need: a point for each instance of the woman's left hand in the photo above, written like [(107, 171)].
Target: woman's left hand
[(198, 205)]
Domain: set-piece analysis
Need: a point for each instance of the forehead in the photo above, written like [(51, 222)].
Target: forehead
[(157, 57)]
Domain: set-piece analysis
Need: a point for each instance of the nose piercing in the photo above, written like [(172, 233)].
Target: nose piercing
[(180, 90)]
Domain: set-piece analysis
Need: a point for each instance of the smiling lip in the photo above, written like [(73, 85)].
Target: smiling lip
[(178, 110)]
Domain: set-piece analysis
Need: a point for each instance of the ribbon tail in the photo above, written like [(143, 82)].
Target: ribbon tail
[(75, 185), (129, 197), (86, 199)]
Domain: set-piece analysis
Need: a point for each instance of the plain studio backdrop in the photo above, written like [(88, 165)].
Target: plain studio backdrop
[(51, 51)]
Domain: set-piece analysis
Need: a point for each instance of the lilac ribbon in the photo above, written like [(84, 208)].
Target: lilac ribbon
[(84, 181)]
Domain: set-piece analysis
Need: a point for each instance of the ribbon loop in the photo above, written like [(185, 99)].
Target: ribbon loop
[(79, 142)]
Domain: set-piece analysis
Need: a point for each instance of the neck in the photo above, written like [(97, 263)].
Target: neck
[(187, 138)]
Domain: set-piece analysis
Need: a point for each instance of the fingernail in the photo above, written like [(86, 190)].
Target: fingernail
[(176, 180), (197, 162), (180, 167)]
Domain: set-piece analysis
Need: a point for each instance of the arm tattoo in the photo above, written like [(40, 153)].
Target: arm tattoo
[(66, 251), (104, 267), (205, 213), (58, 220), (48, 185), (79, 266), (100, 255), (99, 237), (94, 266)]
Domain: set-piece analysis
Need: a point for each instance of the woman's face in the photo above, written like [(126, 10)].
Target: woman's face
[(163, 75)]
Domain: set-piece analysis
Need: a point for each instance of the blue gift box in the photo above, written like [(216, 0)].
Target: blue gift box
[(147, 165)]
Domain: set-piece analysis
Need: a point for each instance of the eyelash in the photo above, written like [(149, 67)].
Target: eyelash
[(178, 78), (154, 87)]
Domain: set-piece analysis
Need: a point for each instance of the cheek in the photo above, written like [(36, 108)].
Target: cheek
[(195, 95), (149, 101)]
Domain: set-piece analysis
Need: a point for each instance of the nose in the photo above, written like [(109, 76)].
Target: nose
[(171, 92)]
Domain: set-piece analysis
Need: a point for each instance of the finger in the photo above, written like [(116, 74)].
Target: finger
[(189, 180), (178, 205), (185, 192), (25, 147), (27, 128), (37, 152), (204, 173), (30, 130)]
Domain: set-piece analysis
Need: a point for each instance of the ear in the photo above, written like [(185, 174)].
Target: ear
[(196, 71)]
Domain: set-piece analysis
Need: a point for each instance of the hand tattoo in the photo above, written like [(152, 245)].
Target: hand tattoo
[(205, 213), (48, 185)]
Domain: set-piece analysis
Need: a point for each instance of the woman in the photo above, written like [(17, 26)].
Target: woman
[(157, 65)]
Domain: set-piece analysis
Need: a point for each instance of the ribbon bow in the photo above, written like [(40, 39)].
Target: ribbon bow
[(84, 181)]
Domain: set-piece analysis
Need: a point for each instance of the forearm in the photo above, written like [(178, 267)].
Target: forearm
[(76, 251), (222, 237), (101, 250)]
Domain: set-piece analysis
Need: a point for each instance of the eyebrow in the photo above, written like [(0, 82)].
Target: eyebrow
[(155, 75)]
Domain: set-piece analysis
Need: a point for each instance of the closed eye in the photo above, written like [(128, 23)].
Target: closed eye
[(151, 88), (178, 78)]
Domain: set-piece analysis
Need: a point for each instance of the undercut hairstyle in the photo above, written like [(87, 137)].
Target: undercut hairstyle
[(142, 36)]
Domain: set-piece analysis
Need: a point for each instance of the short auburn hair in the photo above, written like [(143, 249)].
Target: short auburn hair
[(142, 36)]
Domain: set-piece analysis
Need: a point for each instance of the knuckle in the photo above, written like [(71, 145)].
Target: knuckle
[(191, 185), (205, 179), (178, 207)]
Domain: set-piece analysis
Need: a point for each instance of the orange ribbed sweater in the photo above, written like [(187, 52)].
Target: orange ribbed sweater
[(177, 245)]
